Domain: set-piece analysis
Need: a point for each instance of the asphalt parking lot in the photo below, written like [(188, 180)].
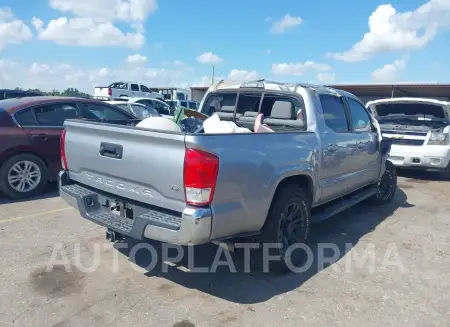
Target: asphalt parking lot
[(415, 291)]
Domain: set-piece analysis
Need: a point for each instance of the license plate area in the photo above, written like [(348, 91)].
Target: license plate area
[(122, 209)]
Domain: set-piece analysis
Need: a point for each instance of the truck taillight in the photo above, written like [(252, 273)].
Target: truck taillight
[(109, 91), (200, 176), (63, 150)]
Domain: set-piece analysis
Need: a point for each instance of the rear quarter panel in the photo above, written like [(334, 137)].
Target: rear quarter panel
[(250, 168), (13, 141)]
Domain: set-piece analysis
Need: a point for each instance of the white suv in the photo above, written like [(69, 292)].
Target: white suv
[(419, 130)]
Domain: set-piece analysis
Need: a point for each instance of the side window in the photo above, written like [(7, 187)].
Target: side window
[(334, 113), (145, 89), (98, 111), (55, 114), (248, 102), (360, 117), (123, 106), (134, 87), (26, 118), (192, 105), (216, 101), (184, 104)]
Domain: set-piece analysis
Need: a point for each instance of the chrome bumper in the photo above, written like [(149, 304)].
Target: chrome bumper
[(190, 227)]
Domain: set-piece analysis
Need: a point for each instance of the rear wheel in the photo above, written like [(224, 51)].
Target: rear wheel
[(22, 176), (387, 186), (446, 172), (287, 226)]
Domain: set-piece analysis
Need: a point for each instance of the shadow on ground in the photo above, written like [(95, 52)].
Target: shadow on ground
[(422, 176), (344, 231), (50, 191)]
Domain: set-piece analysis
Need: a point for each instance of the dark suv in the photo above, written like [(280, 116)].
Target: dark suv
[(11, 94), (30, 129)]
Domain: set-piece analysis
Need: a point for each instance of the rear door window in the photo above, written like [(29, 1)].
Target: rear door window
[(26, 117), (99, 111), (134, 87), (55, 114), (334, 113)]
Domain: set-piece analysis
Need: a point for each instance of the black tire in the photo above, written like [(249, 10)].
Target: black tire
[(275, 228), (8, 189), (387, 186), (446, 173)]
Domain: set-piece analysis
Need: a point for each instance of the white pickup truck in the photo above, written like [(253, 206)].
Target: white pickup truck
[(124, 90)]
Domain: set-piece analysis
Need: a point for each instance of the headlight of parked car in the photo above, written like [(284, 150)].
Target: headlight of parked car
[(438, 138)]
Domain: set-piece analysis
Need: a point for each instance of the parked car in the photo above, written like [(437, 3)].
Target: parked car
[(419, 130), (162, 107), (30, 131), (141, 111), (10, 94), (202, 188), (124, 90)]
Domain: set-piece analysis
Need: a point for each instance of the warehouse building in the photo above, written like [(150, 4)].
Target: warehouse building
[(368, 92)]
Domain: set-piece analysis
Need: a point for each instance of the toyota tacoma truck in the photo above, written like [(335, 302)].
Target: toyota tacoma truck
[(325, 155), (419, 131)]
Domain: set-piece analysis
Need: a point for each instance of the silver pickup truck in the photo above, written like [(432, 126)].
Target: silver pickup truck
[(325, 155)]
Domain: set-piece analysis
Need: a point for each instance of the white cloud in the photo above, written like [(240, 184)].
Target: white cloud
[(389, 72), (107, 10), (390, 30), (326, 78), (49, 76), (136, 59), (86, 32), (242, 75), (93, 22), (285, 23), (209, 58), (178, 63), (298, 69), (12, 30)]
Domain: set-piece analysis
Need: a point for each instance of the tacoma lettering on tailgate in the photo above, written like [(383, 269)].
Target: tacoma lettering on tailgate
[(120, 185)]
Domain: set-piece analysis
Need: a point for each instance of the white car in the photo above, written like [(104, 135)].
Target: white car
[(141, 111), (419, 129), (124, 90), (160, 106)]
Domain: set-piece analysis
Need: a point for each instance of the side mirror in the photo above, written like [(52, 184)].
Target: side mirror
[(386, 144)]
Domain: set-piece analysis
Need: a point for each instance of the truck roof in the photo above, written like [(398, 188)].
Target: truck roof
[(277, 86)]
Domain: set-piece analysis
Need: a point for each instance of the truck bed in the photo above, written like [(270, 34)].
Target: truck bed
[(147, 167)]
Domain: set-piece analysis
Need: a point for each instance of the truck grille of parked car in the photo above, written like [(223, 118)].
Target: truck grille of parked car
[(407, 142)]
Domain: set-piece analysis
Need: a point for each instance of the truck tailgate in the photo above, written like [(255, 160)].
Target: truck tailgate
[(101, 91), (142, 165)]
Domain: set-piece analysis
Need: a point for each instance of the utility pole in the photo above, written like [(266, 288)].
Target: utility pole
[(212, 75)]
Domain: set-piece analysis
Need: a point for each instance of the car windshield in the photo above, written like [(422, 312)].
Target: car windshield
[(142, 111)]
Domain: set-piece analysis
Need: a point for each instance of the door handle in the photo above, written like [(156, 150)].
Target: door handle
[(110, 150), (39, 136), (332, 147)]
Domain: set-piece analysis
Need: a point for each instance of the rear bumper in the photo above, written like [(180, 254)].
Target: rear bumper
[(430, 157), (190, 227)]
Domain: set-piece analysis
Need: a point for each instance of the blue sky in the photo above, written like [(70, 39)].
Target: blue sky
[(80, 43)]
